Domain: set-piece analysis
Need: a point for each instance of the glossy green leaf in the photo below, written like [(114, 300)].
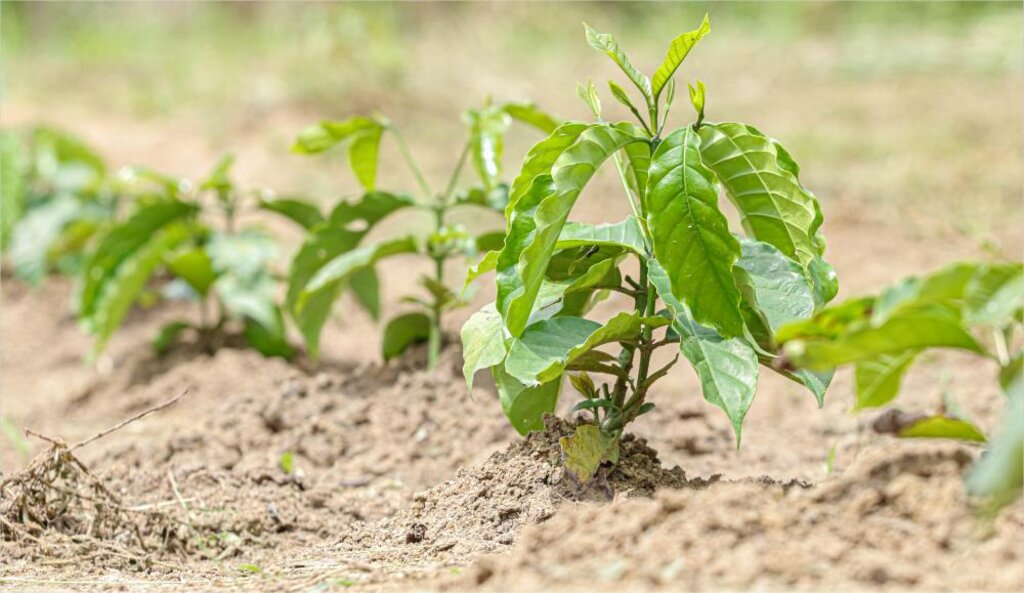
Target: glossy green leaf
[(547, 347), (691, 235), (626, 234), (128, 280), (489, 241), (541, 158), (363, 136), (362, 156), (168, 335), (530, 114), (677, 52), (942, 427), (995, 294), (878, 379), (404, 331), (120, 243), (193, 265), (538, 218), (483, 344), (759, 178), (946, 286), (727, 368), (606, 44), (301, 212), (525, 406), (784, 293), (637, 167), (824, 281), (366, 288)]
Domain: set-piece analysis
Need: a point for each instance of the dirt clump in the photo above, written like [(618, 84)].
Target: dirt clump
[(898, 519)]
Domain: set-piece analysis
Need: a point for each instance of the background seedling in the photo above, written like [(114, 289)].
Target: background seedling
[(207, 259), (334, 256), (973, 307)]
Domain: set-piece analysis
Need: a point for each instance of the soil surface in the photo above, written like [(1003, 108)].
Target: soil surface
[(267, 476)]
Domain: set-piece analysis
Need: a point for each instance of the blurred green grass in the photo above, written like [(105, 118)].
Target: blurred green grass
[(907, 111)]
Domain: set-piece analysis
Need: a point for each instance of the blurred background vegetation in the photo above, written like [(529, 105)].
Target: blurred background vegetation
[(905, 114)]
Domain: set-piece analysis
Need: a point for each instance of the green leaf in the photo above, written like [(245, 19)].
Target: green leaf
[(362, 156), (487, 128), (495, 198), (999, 475), (995, 294), (541, 158), (590, 97), (219, 179), (37, 232), (620, 95), (637, 170), (269, 341), (928, 326), (193, 265), (303, 213), (546, 348), (168, 335), (404, 331), (491, 241), (606, 44), (626, 234), (366, 288), (249, 297), (691, 235), (287, 462), (823, 280), (245, 254), (727, 368), (486, 264), (538, 217), (315, 299), (525, 406), (946, 286), (761, 180), (531, 115), (363, 135), (119, 244), (586, 450), (878, 379), (123, 288), (483, 344), (1011, 377), (697, 96), (13, 183), (942, 427), (677, 52)]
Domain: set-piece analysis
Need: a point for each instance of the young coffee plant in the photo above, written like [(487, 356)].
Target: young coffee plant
[(174, 230), (973, 307), (55, 197), (716, 296), (334, 256)]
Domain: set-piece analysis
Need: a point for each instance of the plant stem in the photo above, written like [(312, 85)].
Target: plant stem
[(434, 343), (404, 149), (455, 174)]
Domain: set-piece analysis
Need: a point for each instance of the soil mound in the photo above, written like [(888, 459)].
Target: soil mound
[(898, 519), (483, 508)]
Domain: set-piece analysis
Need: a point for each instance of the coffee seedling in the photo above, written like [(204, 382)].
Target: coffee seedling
[(716, 296)]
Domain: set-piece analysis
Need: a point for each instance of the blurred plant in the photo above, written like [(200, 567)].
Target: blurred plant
[(334, 256), (55, 196), (225, 270), (721, 296), (974, 307)]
